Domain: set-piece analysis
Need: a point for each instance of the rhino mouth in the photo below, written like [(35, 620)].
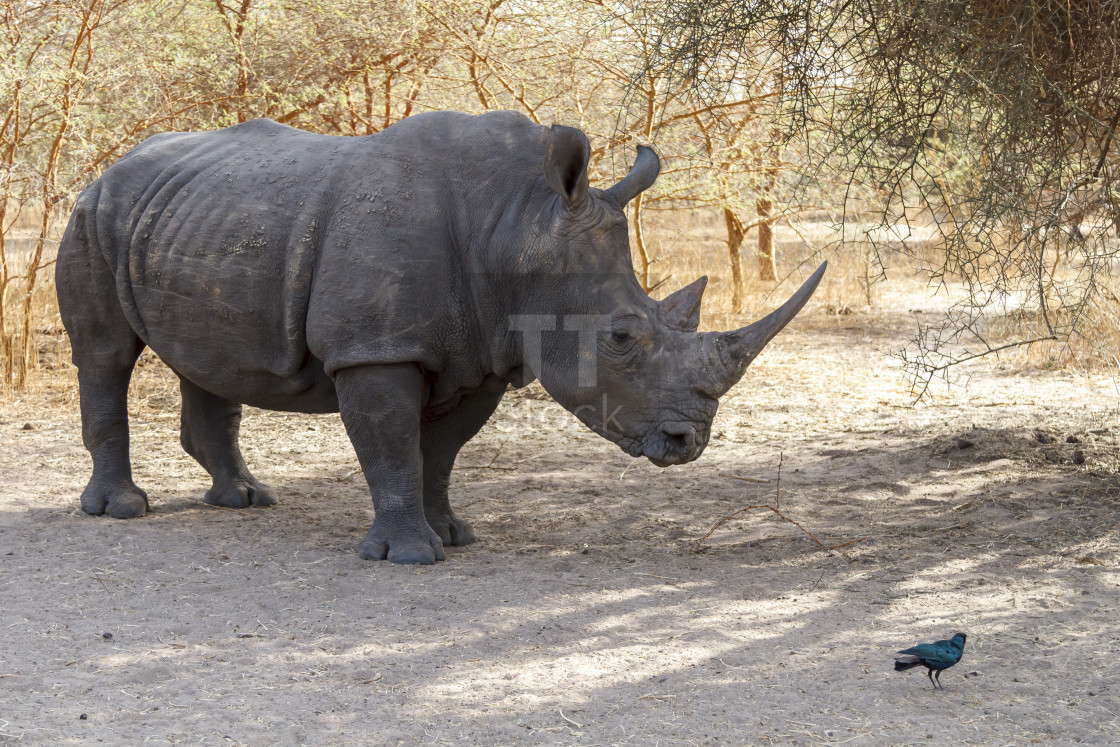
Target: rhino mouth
[(666, 444), (675, 443)]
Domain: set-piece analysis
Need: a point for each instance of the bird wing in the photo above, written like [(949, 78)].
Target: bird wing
[(924, 650), (939, 651)]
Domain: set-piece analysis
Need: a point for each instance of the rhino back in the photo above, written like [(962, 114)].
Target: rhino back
[(213, 238), (257, 259)]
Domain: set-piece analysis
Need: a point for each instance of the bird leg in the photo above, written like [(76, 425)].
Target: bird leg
[(939, 680), (929, 673)]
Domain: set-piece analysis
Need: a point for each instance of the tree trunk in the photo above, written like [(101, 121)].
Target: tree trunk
[(767, 269), (235, 20), (367, 85), (76, 71), (767, 160), (640, 244), (735, 235), (27, 342), (6, 351), (639, 235)]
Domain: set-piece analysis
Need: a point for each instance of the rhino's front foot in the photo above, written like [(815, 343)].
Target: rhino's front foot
[(120, 500), (454, 532), (240, 493), (401, 546)]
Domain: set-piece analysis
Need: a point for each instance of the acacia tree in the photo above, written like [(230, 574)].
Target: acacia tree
[(721, 147), (76, 102), (48, 73), (328, 66), (999, 115), (578, 70), (651, 105), (727, 140)]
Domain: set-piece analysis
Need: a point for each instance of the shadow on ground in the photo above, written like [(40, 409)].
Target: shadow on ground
[(585, 615)]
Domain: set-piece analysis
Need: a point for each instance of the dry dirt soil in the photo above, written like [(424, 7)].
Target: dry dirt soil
[(587, 614)]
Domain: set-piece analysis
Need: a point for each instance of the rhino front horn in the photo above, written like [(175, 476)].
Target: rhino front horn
[(726, 355)]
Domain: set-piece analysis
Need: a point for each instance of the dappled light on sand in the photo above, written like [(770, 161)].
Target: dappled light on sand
[(584, 612)]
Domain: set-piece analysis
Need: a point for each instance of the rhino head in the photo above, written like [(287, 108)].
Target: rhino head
[(632, 369)]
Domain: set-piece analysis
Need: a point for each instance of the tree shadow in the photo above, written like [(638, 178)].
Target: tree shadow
[(585, 614)]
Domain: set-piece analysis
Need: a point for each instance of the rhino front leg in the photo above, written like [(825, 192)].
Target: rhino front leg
[(440, 441), (380, 407), (210, 426)]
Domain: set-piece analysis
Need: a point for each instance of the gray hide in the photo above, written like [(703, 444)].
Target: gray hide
[(404, 279)]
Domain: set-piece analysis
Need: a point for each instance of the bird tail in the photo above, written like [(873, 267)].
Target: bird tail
[(906, 662)]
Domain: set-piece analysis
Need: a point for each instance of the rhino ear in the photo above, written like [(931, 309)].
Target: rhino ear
[(565, 164), (681, 309)]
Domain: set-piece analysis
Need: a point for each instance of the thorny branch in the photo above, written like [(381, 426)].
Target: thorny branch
[(984, 116), (777, 510)]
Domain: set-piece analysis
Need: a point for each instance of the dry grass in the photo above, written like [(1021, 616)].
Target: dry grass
[(685, 246), (50, 360), (1094, 345)]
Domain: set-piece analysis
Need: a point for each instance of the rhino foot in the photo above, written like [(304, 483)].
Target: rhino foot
[(120, 500), (454, 532), (240, 493), (401, 548)]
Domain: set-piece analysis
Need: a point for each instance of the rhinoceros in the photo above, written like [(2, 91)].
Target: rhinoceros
[(405, 280)]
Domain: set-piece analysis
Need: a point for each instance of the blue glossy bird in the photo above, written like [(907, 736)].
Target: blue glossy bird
[(935, 657)]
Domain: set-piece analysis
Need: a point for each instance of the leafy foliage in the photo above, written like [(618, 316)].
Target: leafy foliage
[(997, 117), (994, 120)]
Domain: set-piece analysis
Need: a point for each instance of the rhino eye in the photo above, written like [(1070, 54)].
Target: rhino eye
[(620, 335)]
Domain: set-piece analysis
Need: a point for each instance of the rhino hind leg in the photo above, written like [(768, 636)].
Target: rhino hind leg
[(380, 407), (452, 529), (209, 432), (441, 439), (103, 390), (105, 351)]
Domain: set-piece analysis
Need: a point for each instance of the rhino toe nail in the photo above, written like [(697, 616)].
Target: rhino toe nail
[(228, 497), (129, 508), (262, 495), (415, 555), (372, 551), (463, 534), (93, 507)]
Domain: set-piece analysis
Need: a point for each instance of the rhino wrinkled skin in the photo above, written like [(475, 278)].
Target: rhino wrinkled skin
[(403, 279)]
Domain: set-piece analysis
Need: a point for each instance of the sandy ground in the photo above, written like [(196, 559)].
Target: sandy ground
[(586, 615)]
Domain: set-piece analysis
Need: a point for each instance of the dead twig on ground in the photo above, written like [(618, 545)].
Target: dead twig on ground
[(490, 465), (741, 478), (777, 509)]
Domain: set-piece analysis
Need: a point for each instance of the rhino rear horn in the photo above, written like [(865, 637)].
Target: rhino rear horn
[(565, 164), (641, 177), (726, 355), (681, 309)]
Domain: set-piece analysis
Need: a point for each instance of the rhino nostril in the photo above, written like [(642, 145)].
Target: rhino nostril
[(679, 438), (676, 443)]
